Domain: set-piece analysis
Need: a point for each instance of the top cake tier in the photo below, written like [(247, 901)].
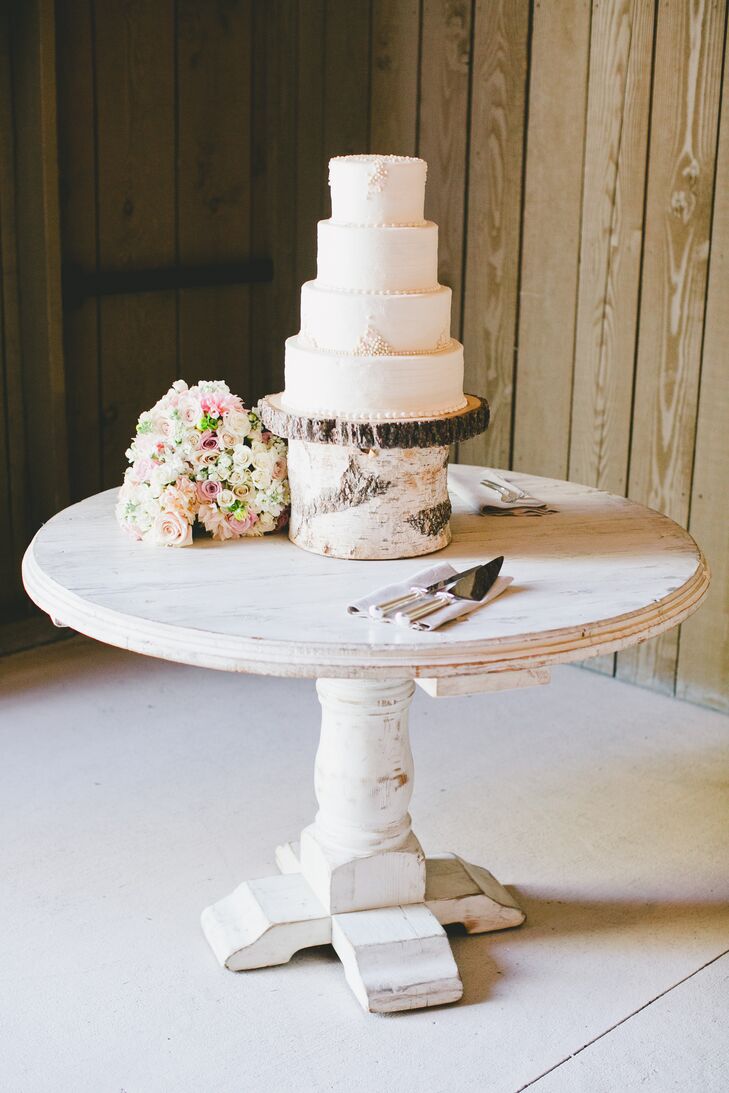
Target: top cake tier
[(377, 189)]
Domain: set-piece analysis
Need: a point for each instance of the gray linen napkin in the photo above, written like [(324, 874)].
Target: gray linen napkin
[(447, 613)]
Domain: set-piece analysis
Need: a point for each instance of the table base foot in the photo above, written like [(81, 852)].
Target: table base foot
[(396, 958), (264, 922), (455, 891)]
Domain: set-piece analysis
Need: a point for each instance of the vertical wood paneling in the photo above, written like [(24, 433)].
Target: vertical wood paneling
[(12, 444), (703, 660), (311, 168), (282, 32), (443, 131), (39, 259), (274, 190), (78, 190), (135, 93), (500, 45), (616, 148), (346, 77), (687, 82), (213, 183), (262, 207), (551, 235), (394, 100)]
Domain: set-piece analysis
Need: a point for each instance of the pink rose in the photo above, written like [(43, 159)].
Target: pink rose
[(279, 469), (209, 441), (208, 490), (170, 529), (240, 527)]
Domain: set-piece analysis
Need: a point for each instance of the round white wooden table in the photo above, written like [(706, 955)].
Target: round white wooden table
[(600, 574)]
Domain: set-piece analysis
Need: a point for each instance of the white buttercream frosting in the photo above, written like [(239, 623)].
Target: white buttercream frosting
[(377, 259), (377, 386), (407, 322), (377, 189), (375, 337)]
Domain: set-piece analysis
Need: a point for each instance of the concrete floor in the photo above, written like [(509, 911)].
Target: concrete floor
[(133, 793)]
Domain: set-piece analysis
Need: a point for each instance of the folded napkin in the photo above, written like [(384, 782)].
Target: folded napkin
[(450, 610), (485, 500)]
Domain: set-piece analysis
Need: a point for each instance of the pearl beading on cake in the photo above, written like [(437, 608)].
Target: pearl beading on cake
[(378, 415), (372, 344), (378, 291), (376, 178), (375, 157), (381, 223)]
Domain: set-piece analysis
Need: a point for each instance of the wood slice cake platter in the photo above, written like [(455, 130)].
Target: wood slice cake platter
[(371, 488), (428, 432)]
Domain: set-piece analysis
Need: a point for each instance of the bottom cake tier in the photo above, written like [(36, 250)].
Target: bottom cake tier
[(374, 387)]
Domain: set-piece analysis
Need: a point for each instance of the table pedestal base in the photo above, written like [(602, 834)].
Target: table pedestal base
[(386, 924)]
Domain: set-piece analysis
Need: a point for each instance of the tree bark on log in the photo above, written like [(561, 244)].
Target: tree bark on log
[(351, 502), (375, 433)]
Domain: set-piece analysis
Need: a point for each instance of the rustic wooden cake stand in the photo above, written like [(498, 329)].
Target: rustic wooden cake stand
[(600, 574), (371, 489)]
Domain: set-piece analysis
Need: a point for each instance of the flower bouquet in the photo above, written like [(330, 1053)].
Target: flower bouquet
[(198, 454)]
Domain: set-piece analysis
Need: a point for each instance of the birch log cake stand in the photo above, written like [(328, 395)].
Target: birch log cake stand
[(371, 488), (601, 574)]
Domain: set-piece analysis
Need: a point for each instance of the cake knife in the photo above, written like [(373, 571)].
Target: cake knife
[(417, 592), (471, 586)]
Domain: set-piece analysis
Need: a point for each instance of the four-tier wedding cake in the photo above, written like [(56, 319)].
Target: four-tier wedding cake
[(374, 381), (375, 340)]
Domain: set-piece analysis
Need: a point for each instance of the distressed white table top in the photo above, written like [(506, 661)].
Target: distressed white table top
[(601, 574)]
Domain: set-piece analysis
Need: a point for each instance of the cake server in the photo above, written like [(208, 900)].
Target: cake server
[(417, 592), (471, 586)]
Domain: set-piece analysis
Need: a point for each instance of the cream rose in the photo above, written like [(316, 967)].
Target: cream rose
[(235, 421), (225, 499), (170, 529)]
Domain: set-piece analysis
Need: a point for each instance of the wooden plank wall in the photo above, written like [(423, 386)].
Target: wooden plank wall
[(579, 172), (33, 437)]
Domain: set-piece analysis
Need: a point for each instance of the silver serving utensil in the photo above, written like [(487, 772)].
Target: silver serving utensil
[(418, 591), (517, 510), (473, 586), (508, 494)]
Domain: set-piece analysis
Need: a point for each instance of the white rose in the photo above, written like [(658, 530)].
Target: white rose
[(225, 499), (238, 423), (242, 456), (261, 478)]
